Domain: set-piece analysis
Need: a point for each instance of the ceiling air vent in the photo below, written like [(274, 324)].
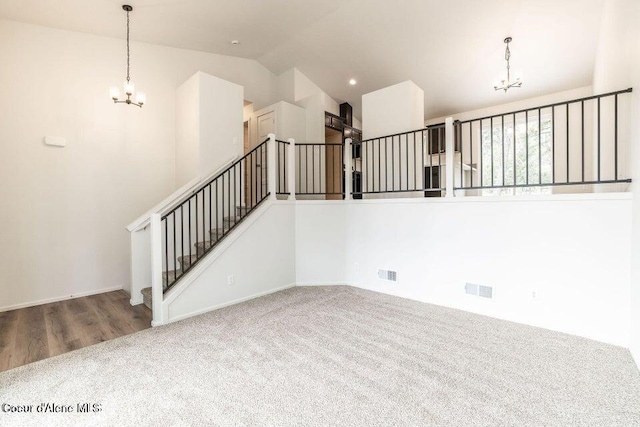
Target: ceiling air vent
[(388, 275)]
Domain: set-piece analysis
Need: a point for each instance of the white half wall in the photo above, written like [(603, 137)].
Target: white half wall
[(260, 257), (320, 242), (560, 262)]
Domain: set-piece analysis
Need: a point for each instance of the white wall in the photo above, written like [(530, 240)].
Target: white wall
[(267, 245), (67, 208), (187, 131), (394, 109), (618, 66), (221, 122), (571, 250), (320, 242)]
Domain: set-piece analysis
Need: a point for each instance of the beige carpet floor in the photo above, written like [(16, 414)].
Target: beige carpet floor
[(329, 356)]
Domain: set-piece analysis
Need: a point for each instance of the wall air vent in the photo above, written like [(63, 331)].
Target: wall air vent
[(478, 290), (388, 275), (485, 291)]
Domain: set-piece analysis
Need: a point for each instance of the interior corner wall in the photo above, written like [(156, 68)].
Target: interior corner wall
[(617, 66), (68, 207)]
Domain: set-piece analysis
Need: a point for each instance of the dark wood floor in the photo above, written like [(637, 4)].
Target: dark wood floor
[(34, 333)]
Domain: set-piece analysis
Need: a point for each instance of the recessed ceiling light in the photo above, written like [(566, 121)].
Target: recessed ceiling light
[(235, 42), (352, 82)]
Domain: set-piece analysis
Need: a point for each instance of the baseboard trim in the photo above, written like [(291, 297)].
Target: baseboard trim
[(136, 301), (56, 299), (227, 304), (311, 284)]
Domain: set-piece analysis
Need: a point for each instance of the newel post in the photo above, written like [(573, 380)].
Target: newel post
[(291, 167), (449, 155), (272, 167), (156, 270)]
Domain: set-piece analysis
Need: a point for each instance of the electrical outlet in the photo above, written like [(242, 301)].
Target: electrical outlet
[(534, 294), (230, 279)]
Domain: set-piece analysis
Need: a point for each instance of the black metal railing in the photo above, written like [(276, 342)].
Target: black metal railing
[(282, 154), (567, 143), (402, 163), (319, 169), (195, 225)]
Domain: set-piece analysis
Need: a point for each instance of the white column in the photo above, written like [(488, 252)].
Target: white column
[(449, 155), (348, 169), (291, 169), (156, 270), (271, 167)]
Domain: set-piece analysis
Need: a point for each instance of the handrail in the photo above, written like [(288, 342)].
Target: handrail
[(144, 220), (438, 125), (555, 104), (217, 175)]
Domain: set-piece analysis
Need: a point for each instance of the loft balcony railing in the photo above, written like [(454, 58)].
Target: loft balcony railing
[(579, 143)]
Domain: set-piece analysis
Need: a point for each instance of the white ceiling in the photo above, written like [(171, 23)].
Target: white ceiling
[(452, 49)]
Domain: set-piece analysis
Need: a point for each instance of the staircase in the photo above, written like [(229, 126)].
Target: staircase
[(200, 249), (195, 225)]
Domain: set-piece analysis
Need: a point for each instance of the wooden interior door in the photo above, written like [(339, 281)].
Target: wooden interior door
[(334, 173), (266, 124)]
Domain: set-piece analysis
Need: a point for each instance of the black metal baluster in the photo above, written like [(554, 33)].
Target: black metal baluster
[(526, 136), (502, 159), (567, 130), (471, 152), (553, 144), (491, 124), (196, 210), (190, 244), (599, 158), (166, 249), (217, 209), (615, 137), (415, 163), (204, 218), (582, 136), (175, 256), (539, 148), (406, 156), (481, 156), (515, 139), (182, 232)]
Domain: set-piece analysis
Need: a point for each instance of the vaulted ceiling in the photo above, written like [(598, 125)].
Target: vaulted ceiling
[(452, 49)]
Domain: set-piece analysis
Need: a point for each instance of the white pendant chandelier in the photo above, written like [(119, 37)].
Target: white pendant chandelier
[(506, 84), (129, 87)]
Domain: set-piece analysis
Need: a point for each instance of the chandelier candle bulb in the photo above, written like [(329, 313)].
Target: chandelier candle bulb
[(129, 88), (114, 92), (141, 98)]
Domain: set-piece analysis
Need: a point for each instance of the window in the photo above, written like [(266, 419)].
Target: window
[(526, 159)]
